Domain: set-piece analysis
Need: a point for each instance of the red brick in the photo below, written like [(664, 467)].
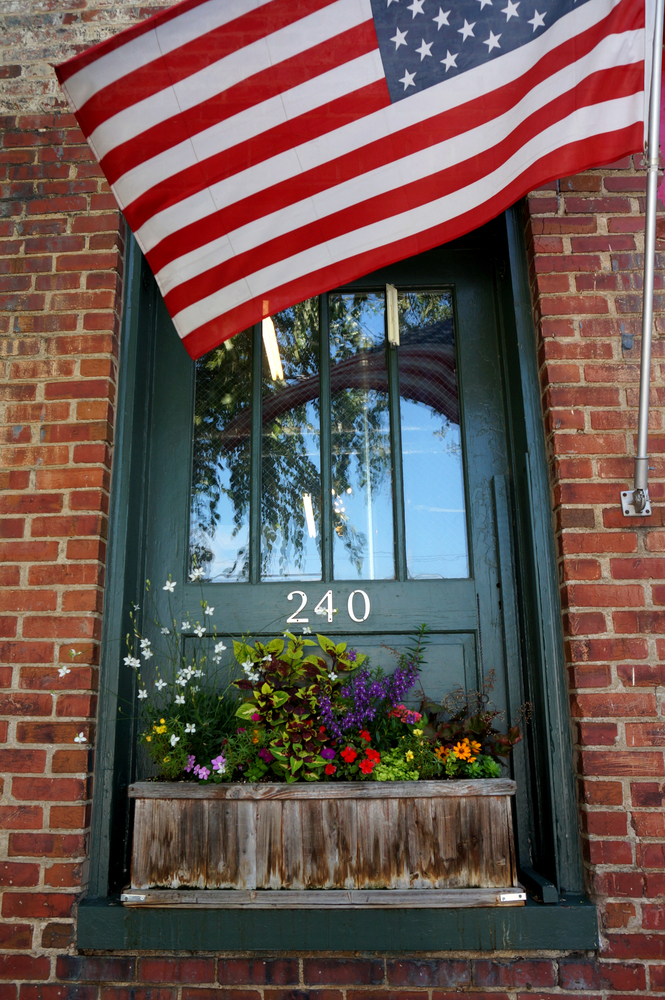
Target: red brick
[(607, 852), (47, 732), (610, 704), (606, 595), (46, 845), (21, 875), (621, 763), (37, 904), (22, 761), (641, 674), (597, 733), (89, 968), (50, 789), (18, 703), (57, 935), (179, 970), (20, 817), (69, 817), (635, 946), (343, 971), (261, 971), (531, 973), (19, 967), (14, 936), (605, 824)]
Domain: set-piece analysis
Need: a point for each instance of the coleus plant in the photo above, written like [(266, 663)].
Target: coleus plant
[(282, 690)]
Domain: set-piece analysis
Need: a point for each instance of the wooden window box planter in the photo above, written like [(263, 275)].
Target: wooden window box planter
[(444, 842)]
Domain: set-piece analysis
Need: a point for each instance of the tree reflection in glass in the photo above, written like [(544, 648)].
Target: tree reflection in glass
[(219, 513), (363, 547), (290, 449)]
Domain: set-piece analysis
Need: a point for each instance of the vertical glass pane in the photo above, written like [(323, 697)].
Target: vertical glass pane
[(219, 515), (435, 510), (363, 547), (291, 462)]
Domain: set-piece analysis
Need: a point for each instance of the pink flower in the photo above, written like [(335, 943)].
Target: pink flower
[(204, 773), (256, 717)]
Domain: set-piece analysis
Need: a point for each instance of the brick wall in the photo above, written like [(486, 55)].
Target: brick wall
[(61, 254), (586, 248)]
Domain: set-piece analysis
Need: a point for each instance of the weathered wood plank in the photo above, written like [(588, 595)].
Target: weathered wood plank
[(326, 899), (308, 842), (325, 790)]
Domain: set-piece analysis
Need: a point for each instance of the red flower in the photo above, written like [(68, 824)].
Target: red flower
[(330, 769), (322, 729), (349, 755), (373, 755), (364, 735), (366, 766)]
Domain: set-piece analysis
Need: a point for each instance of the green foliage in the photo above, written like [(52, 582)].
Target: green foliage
[(395, 767)]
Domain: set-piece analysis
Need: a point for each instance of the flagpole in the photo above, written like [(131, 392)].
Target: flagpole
[(636, 502)]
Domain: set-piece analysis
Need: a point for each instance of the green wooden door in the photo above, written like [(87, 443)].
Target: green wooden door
[(358, 491)]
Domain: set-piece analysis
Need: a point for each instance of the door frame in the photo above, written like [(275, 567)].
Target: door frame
[(548, 840)]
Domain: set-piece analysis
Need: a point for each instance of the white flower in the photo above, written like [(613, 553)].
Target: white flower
[(174, 739), (143, 694), (199, 630), (198, 673), (145, 644), (307, 630), (332, 675), (137, 607), (219, 647), (267, 658), (195, 687), (321, 612), (160, 684), (216, 659), (80, 738), (180, 699), (146, 653), (181, 681), (188, 672), (63, 671), (186, 627), (208, 610), (132, 661), (170, 586), (190, 728), (165, 631), (247, 665), (73, 652), (196, 574)]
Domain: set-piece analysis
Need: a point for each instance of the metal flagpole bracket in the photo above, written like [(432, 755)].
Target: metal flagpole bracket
[(392, 314), (635, 502)]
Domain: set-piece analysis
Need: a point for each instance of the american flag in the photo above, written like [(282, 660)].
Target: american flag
[(264, 151)]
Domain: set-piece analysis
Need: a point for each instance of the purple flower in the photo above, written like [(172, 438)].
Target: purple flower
[(204, 773), (328, 753), (191, 760), (352, 655), (219, 764), (266, 755)]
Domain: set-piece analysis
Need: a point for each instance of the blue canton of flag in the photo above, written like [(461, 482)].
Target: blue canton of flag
[(424, 42)]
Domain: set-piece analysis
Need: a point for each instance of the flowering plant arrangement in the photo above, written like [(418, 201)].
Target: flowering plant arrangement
[(304, 708)]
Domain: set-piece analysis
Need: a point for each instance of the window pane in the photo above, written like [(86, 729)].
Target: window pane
[(363, 546), (219, 516), (435, 511), (291, 462)]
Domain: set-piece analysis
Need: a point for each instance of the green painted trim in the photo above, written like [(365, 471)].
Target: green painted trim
[(106, 925), (555, 744), (325, 431)]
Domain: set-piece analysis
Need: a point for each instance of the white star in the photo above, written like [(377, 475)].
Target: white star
[(392, 1), (450, 60), (511, 10), (485, 3), (441, 19), (492, 42), (425, 49), (399, 38), (466, 30), (538, 20), (416, 7), (407, 79)]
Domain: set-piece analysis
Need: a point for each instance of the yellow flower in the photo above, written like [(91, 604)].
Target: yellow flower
[(162, 721), (148, 739), (462, 750), (409, 755), (417, 732), (166, 760), (475, 746), (255, 736), (442, 752)]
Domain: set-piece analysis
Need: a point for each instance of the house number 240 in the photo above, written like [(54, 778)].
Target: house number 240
[(325, 606)]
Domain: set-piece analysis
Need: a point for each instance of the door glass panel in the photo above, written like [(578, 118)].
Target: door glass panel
[(219, 511), (434, 503), (363, 547), (290, 446)]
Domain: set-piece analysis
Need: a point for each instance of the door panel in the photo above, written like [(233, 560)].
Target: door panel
[(464, 613)]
